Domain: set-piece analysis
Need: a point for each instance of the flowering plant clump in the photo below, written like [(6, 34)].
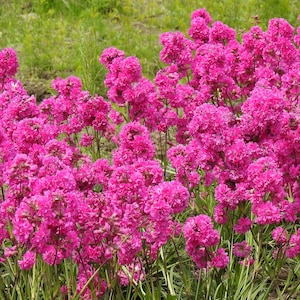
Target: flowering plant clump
[(226, 176)]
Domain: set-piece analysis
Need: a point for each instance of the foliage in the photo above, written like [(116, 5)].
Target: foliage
[(62, 38)]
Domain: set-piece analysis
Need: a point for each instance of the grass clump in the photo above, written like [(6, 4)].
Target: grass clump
[(60, 38)]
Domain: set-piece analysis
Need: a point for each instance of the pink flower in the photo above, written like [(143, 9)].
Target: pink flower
[(8, 63), (267, 213), (243, 225), (293, 248), (241, 249), (210, 120), (69, 87), (199, 231), (226, 196), (86, 140), (177, 49), (201, 13), (27, 261), (10, 251), (297, 37), (199, 30), (221, 33), (116, 117), (262, 113), (279, 235), (200, 237), (173, 193), (220, 259), (151, 170), (52, 256), (97, 286), (135, 145), (220, 214), (109, 54), (64, 290), (123, 72), (278, 28), (265, 176)]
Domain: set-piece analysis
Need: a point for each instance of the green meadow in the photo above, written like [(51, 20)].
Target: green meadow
[(58, 38)]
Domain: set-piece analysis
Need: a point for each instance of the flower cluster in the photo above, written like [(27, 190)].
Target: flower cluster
[(60, 203), (241, 113), (200, 240), (229, 115)]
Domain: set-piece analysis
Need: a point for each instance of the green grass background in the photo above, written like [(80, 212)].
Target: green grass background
[(63, 37)]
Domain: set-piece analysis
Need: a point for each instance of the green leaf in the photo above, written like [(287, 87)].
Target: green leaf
[(170, 297)]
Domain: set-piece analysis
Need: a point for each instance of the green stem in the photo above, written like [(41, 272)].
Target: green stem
[(198, 285), (33, 287)]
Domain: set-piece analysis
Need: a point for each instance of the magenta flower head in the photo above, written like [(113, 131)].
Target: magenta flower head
[(262, 113), (10, 251), (173, 193), (69, 87), (86, 140), (267, 213), (293, 248), (221, 33), (202, 13), (280, 28), (199, 30), (279, 235), (151, 170), (242, 226), (220, 214), (200, 237), (129, 70), (241, 249), (135, 144), (177, 49), (109, 54), (209, 119), (8, 63), (27, 261), (199, 231), (297, 36), (220, 259)]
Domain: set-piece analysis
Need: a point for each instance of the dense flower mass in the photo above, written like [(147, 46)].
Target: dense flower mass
[(221, 115), (200, 240)]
